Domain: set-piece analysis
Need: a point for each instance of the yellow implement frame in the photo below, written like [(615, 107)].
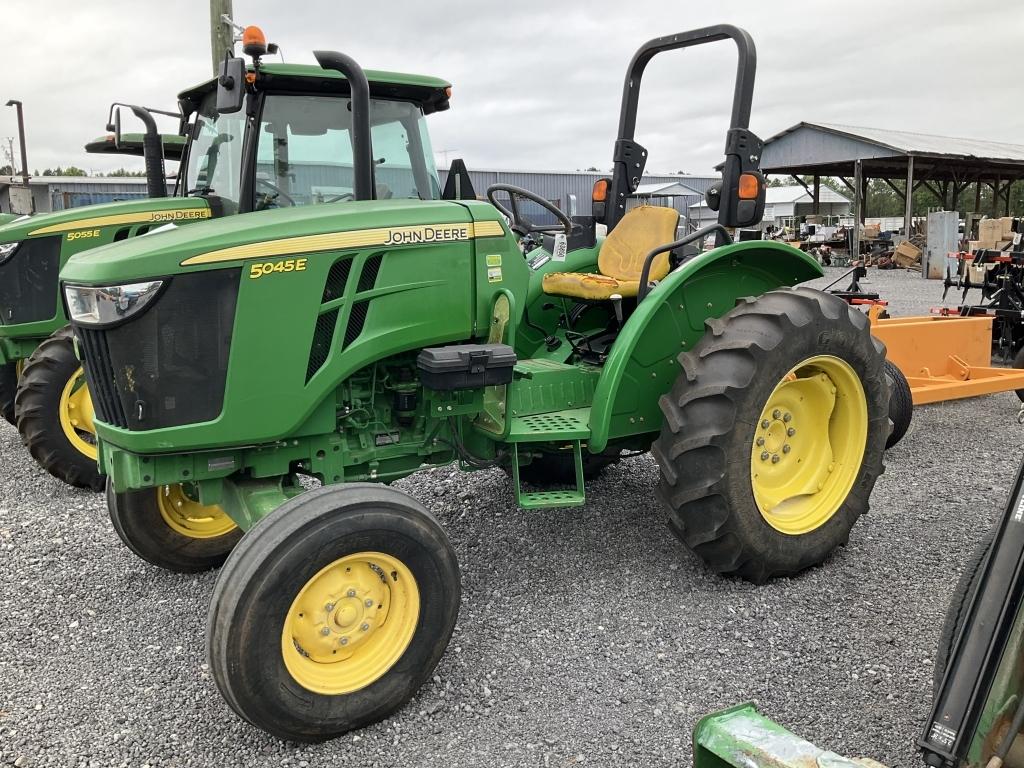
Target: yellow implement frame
[(944, 357)]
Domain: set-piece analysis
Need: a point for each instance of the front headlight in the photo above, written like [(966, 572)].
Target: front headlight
[(91, 305), (7, 251)]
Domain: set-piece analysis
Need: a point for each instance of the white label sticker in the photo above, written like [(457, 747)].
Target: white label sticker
[(560, 247), (1016, 238)]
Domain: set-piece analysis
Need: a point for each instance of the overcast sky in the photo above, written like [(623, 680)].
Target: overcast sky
[(537, 84)]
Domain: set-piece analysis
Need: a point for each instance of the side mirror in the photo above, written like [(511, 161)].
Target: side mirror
[(230, 85), (713, 196), (117, 128)]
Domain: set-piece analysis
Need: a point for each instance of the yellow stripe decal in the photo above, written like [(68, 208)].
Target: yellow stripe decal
[(359, 238), (154, 217)]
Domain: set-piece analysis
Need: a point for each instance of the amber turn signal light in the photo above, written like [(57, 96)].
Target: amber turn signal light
[(750, 187), (600, 193)]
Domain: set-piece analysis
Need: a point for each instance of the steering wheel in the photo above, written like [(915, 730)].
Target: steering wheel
[(521, 225), (278, 193)]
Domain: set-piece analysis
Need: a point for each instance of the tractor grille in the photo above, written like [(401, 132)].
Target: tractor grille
[(167, 366), (28, 282)]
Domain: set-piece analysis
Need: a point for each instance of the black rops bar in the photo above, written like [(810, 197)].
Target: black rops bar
[(363, 187), (630, 158), (981, 644)]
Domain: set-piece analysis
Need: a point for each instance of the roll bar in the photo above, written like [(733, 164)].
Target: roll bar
[(630, 157)]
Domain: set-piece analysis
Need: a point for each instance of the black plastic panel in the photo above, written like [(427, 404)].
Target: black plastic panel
[(28, 282)]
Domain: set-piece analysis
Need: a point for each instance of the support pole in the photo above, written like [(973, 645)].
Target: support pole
[(858, 207), (817, 194), (21, 139), (222, 36), (908, 205), (977, 197), (995, 195)]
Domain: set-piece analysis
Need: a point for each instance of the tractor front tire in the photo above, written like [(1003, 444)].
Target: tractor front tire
[(166, 527), (8, 389), (901, 403), (773, 434), (333, 611), (54, 413)]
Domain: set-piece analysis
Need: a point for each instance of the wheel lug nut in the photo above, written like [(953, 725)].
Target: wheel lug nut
[(329, 607), (765, 424), (325, 631), (764, 455), (787, 417), (790, 431), (785, 449), (351, 593), (365, 627), (776, 413), (760, 441), (343, 641), (369, 602), (775, 458)]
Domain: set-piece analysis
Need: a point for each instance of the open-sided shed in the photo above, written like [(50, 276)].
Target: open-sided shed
[(943, 164)]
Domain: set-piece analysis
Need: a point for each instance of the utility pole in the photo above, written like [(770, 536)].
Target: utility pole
[(222, 36), (21, 136)]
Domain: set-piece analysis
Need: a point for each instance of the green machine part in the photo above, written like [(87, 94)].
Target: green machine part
[(741, 737)]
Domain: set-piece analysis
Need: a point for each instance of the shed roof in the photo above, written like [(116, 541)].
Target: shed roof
[(794, 193), (831, 149), (663, 189)]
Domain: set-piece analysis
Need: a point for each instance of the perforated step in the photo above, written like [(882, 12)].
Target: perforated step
[(551, 427), (549, 499)]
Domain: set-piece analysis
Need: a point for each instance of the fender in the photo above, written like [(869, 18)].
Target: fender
[(642, 365)]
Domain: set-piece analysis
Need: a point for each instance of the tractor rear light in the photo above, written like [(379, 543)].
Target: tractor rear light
[(448, 92), (600, 193), (750, 186), (91, 305)]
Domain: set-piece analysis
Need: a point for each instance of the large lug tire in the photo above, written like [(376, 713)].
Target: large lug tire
[(901, 403), (956, 612), (1018, 362), (8, 389), (168, 528), (296, 642), (773, 434), (54, 413)]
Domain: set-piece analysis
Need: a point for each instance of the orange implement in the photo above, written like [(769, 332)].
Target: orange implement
[(945, 358)]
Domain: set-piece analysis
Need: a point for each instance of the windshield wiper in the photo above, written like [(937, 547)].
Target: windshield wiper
[(201, 191)]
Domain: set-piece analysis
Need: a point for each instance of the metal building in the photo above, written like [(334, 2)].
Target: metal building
[(55, 193)]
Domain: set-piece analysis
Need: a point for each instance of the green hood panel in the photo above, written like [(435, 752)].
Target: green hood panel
[(270, 234), (150, 210)]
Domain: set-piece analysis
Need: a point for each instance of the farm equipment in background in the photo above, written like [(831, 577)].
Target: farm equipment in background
[(977, 711), (415, 332), (42, 387), (999, 274)]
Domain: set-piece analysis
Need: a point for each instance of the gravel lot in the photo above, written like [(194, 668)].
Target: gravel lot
[(586, 635)]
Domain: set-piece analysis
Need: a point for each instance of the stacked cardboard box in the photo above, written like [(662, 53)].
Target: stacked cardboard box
[(906, 254), (993, 234)]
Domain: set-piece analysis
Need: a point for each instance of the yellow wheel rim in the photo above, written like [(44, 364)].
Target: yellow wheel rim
[(76, 415), (186, 516), (809, 445), (350, 623)]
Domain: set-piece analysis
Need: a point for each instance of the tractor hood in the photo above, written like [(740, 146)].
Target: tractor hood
[(286, 231), (148, 211)]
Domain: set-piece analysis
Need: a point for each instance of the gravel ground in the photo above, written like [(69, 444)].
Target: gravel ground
[(586, 635)]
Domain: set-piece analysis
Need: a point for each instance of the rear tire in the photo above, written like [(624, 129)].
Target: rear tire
[(147, 523), (8, 389), (715, 417), (63, 444), (963, 593), (285, 610), (1018, 362), (901, 404)]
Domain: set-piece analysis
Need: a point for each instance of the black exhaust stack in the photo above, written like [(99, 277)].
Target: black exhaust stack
[(363, 186)]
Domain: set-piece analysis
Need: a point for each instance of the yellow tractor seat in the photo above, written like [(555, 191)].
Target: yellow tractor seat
[(621, 258)]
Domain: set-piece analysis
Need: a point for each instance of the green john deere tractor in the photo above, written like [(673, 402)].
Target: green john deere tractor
[(355, 344), (293, 159)]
